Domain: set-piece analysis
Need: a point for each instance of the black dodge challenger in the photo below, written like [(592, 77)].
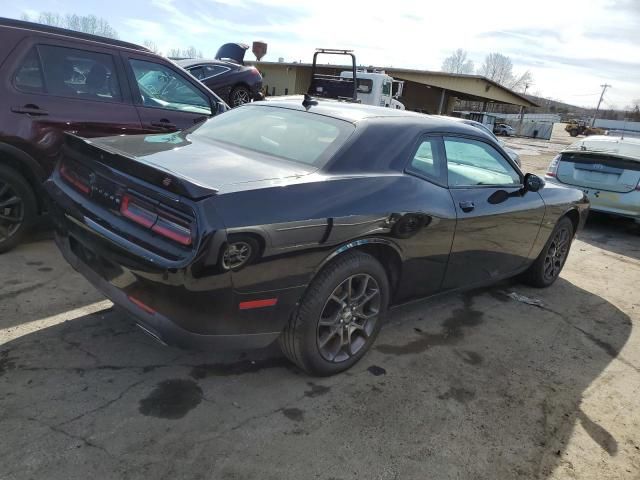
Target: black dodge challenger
[(302, 221)]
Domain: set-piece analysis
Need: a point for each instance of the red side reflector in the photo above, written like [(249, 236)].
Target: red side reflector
[(267, 302), (143, 306)]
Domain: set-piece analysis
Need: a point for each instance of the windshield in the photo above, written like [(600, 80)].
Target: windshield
[(291, 134)]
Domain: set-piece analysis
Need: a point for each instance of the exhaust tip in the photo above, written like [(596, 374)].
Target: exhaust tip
[(152, 334)]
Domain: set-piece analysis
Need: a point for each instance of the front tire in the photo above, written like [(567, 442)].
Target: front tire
[(18, 209), (339, 317), (547, 267)]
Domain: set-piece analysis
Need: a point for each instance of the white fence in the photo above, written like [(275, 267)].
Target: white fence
[(618, 125)]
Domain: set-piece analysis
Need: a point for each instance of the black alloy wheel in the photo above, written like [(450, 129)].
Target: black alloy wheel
[(17, 208), (239, 96), (557, 252), (547, 267), (11, 211), (339, 316), (348, 318)]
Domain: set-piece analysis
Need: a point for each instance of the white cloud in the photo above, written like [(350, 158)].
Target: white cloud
[(570, 46)]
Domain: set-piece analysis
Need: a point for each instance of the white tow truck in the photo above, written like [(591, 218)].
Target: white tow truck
[(375, 87), (372, 87)]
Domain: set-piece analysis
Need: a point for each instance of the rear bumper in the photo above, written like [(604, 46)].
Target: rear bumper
[(155, 323), (189, 304), (624, 204)]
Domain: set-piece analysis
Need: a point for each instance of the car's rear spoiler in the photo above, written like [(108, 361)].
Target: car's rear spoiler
[(84, 151)]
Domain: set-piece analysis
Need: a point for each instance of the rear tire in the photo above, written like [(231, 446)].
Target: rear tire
[(330, 332), (18, 210), (547, 267), (573, 133), (239, 96)]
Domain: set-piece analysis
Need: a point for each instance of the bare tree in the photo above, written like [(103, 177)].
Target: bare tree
[(153, 46), (190, 52), (81, 23), (520, 83), (499, 68), (458, 63)]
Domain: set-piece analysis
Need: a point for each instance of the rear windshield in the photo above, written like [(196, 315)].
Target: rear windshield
[(601, 159), (294, 135)]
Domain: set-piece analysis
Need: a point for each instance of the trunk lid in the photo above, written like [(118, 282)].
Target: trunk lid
[(599, 171), (185, 165)]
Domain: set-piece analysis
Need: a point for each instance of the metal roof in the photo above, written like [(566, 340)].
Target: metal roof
[(397, 72)]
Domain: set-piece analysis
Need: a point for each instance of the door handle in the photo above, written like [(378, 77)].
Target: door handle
[(164, 123), (30, 109), (467, 206)]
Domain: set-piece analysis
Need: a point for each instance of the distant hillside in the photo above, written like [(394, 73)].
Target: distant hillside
[(565, 110)]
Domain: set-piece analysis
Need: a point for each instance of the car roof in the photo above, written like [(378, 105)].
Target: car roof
[(37, 27), (190, 62), (618, 146), (356, 112)]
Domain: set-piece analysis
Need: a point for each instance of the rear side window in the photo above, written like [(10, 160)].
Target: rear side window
[(426, 161), (197, 72), (69, 72), (290, 134), (28, 78), (213, 70)]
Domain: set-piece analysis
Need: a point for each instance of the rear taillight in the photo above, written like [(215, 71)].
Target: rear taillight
[(158, 220), (138, 211), (552, 171), (170, 228), (72, 178)]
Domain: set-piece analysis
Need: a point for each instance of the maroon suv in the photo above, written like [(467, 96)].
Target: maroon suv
[(54, 80)]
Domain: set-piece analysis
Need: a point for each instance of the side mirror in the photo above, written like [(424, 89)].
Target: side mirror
[(532, 183)]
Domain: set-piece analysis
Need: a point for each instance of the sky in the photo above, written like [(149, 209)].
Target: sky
[(570, 47)]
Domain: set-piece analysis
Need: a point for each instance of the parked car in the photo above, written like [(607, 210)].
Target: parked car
[(302, 221), (227, 75), (607, 169), (511, 152), (55, 80), (504, 129)]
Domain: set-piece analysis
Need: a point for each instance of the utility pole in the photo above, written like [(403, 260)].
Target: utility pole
[(526, 86), (604, 89)]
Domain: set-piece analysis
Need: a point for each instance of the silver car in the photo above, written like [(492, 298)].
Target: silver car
[(607, 169)]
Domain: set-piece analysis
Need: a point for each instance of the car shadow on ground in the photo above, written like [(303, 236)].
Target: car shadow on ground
[(615, 234), (35, 279), (478, 385)]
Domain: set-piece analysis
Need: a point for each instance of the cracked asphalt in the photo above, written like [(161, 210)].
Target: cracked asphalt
[(482, 385)]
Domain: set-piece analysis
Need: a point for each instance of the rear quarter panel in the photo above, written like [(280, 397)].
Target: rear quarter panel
[(301, 226)]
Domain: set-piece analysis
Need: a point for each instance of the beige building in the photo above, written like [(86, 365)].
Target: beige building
[(424, 91)]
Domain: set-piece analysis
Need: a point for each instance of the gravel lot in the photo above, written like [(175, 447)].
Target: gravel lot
[(484, 385)]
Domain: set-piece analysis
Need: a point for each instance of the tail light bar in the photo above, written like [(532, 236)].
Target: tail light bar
[(74, 179), (157, 220), (552, 171)]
